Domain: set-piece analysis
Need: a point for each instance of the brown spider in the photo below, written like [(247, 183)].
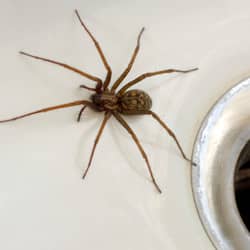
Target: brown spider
[(112, 102)]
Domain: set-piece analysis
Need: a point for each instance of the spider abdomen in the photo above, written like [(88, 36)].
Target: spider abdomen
[(134, 101)]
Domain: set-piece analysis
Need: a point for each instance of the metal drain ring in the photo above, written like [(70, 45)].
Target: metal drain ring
[(221, 138)]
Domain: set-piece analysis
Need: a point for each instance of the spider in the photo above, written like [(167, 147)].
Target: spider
[(112, 102)]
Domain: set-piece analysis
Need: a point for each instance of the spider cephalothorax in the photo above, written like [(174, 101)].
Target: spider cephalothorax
[(105, 101), (112, 102)]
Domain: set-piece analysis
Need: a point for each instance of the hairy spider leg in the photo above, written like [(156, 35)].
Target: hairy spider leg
[(88, 88), (172, 134), (130, 65), (65, 105), (94, 78), (98, 47), (107, 115), (169, 131), (136, 140), (80, 113), (150, 74)]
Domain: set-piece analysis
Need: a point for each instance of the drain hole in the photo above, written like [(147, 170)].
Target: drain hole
[(242, 184)]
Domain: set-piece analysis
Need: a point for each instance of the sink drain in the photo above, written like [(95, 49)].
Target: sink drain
[(242, 184), (222, 152)]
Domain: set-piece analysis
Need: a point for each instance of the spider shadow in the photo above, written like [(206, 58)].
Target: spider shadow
[(148, 144), (129, 150), (86, 140), (118, 134)]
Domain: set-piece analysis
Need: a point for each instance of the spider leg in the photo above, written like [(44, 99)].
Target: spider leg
[(88, 88), (136, 140), (170, 132), (150, 74), (98, 47), (65, 105), (130, 65), (104, 122), (80, 113), (96, 79)]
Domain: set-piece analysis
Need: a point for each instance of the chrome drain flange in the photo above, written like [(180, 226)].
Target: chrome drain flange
[(219, 143)]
